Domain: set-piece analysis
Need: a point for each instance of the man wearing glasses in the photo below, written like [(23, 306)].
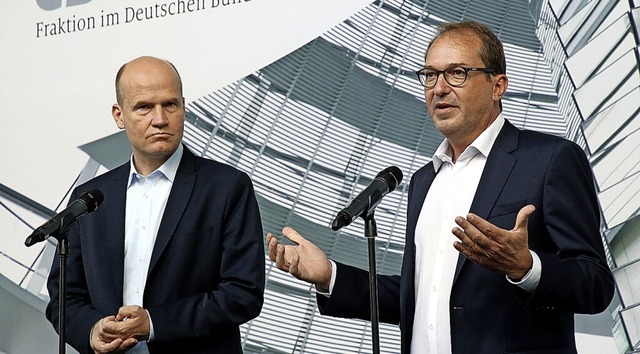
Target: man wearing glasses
[(502, 239)]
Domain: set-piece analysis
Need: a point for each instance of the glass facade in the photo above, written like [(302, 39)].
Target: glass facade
[(593, 50)]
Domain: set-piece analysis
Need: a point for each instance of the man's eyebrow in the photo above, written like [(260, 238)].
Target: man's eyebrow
[(450, 65), (139, 103)]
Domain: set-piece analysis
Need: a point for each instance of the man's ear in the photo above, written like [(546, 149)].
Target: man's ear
[(116, 112), (500, 86)]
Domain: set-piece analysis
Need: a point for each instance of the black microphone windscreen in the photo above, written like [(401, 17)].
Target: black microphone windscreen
[(392, 175), (92, 199)]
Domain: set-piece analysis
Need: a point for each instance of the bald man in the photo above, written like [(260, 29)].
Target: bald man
[(173, 260)]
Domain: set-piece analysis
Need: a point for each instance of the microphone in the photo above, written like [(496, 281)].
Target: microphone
[(86, 203), (385, 182)]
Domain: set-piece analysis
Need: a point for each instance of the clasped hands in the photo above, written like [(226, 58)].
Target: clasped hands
[(119, 333), (500, 250)]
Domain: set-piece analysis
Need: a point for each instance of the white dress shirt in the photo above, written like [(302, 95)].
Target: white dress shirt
[(450, 195), (146, 201)]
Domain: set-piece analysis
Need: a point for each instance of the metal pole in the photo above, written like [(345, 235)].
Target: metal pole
[(63, 252), (370, 232)]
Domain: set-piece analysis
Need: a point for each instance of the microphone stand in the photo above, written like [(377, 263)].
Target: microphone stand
[(370, 232), (63, 253)]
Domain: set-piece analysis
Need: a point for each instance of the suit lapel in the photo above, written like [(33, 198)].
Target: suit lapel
[(419, 193), (176, 204), (494, 176), (117, 192), (419, 186)]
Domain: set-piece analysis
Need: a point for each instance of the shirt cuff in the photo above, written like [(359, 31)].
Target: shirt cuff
[(332, 282), (530, 281), (152, 335)]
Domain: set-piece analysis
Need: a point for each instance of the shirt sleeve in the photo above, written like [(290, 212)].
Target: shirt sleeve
[(333, 280), (530, 281)]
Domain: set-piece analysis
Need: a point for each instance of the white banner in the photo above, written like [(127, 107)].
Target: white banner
[(59, 59)]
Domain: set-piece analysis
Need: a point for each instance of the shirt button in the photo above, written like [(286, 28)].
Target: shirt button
[(431, 327), (144, 227), (434, 288)]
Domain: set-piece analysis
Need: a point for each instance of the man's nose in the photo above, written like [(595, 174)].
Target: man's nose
[(159, 117), (442, 86)]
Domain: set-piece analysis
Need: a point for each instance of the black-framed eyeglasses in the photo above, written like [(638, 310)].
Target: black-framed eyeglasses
[(454, 76)]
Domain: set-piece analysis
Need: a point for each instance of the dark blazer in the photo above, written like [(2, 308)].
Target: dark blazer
[(489, 315), (206, 275)]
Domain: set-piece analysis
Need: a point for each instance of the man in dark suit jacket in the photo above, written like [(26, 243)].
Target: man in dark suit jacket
[(530, 252), (196, 279)]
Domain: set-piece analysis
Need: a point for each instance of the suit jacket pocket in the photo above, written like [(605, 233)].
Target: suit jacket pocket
[(504, 209)]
